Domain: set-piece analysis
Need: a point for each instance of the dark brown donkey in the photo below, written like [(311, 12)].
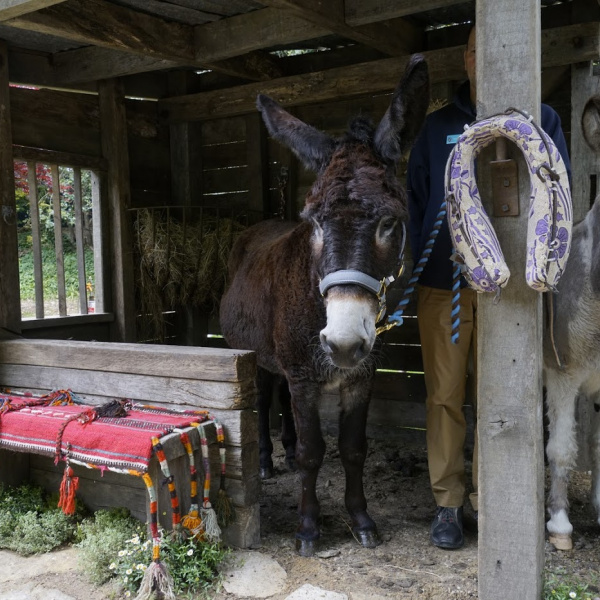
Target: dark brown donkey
[(307, 297)]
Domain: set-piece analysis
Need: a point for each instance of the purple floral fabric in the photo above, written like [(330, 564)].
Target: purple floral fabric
[(550, 211)]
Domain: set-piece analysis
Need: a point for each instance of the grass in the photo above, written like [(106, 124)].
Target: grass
[(560, 585), (50, 280)]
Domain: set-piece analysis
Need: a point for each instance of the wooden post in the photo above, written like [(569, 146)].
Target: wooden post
[(509, 342), (10, 297), (258, 167), (113, 126), (186, 191)]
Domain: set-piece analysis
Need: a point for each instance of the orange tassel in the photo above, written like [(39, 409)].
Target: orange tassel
[(68, 487)]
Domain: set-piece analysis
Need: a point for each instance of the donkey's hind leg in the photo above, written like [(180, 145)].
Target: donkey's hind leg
[(561, 452), (288, 428), (264, 385), (353, 452)]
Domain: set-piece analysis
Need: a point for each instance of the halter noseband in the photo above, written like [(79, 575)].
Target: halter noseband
[(375, 286)]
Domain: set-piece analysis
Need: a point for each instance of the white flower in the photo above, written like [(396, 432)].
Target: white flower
[(572, 594), (190, 552), (112, 566), (129, 571), (125, 579), (135, 540), (122, 552), (127, 594), (140, 567)]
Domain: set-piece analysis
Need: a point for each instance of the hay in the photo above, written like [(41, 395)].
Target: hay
[(181, 264)]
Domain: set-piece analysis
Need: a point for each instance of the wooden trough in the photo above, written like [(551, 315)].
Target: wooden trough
[(218, 380)]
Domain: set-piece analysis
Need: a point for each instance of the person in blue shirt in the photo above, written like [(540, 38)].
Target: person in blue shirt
[(445, 364)]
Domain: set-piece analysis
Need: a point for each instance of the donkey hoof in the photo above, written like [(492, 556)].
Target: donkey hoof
[(266, 472), (368, 538), (306, 548), (561, 541)]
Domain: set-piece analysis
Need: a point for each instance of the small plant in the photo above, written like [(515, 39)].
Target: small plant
[(100, 537), (130, 564), (114, 545), (30, 523), (192, 564), (559, 585)]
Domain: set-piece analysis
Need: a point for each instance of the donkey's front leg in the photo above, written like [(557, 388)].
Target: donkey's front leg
[(353, 451), (310, 450)]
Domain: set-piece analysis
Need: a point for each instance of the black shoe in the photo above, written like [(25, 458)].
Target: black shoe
[(447, 528)]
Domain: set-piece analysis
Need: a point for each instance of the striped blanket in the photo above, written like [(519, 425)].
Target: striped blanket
[(76, 432)]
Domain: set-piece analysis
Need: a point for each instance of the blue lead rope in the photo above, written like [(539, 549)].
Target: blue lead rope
[(454, 315), (396, 317)]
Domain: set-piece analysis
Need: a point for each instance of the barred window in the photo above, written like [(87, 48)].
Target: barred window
[(59, 229)]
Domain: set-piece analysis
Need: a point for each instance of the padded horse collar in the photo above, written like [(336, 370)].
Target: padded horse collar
[(550, 211)]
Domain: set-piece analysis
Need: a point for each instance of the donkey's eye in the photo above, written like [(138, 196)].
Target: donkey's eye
[(386, 227)]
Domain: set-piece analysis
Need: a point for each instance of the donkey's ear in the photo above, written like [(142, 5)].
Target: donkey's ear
[(590, 123), (313, 147), (403, 119)]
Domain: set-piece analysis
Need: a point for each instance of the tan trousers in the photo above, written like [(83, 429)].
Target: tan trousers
[(445, 366)]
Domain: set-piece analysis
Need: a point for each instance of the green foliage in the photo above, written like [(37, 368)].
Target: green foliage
[(131, 562), (26, 275), (192, 564), (559, 585), (114, 545), (30, 523), (100, 537)]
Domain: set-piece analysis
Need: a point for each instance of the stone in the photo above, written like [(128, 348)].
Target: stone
[(252, 575), (312, 592)]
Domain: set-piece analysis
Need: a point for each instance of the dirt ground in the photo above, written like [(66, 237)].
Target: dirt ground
[(405, 566)]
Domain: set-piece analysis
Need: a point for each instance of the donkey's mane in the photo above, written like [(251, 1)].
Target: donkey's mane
[(360, 129)]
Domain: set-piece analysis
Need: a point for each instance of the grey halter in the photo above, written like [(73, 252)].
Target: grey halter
[(375, 286)]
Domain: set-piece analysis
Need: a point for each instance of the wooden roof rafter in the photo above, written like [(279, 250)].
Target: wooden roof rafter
[(9, 9), (395, 38), (560, 46), (118, 29)]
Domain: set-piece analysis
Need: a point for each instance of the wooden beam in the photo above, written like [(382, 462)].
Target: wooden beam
[(356, 80), (509, 332), (359, 12), (237, 35), (108, 25), (99, 23), (113, 126), (10, 9), (10, 297), (577, 43), (395, 38)]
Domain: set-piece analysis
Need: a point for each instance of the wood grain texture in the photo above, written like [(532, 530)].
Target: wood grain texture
[(560, 46), (209, 364), (143, 388), (511, 459), (14, 8), (115, 151)]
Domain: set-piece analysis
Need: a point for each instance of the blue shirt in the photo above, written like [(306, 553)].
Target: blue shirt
[(425, 179)]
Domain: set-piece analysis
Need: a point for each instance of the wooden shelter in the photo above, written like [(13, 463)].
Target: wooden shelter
[(155, 98)]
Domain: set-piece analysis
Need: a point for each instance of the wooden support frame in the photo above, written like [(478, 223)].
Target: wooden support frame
[(10, 302), (115, 151), (509, 342)]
